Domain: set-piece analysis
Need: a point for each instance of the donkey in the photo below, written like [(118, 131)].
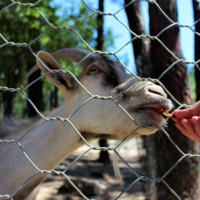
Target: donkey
[(115, 105)]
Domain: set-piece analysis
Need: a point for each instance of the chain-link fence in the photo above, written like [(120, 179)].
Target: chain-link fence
[(91, 97)]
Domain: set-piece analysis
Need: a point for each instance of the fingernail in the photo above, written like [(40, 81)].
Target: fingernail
[(194, 117), (184, 120)]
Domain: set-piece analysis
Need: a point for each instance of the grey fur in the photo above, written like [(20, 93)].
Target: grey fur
[(8, 125)]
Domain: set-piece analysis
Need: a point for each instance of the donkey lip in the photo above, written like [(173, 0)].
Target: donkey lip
[(157, 109), (150, 110)]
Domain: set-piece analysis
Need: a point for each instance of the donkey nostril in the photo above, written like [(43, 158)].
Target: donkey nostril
[(157, 90)]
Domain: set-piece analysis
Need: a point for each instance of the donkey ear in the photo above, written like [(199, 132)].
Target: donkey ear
[(60, 79)]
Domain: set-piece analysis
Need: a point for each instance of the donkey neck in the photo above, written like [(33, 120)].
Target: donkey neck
[(55, 140), (46, 146)]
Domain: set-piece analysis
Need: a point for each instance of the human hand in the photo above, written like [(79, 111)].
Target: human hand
[(187, 113), (188, 121), (190, 127)]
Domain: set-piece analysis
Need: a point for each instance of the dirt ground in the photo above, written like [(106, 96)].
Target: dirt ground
[(87, 170)]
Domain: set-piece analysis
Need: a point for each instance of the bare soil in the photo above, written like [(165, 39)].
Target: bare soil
[(87, 169)]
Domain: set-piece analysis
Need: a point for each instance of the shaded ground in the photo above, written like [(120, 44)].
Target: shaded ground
[(96, 180)]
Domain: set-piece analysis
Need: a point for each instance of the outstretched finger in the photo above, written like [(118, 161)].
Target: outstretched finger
[(176, 119), (189, 129), (183, 114), (196, 122), (182, 128), (194, 110)]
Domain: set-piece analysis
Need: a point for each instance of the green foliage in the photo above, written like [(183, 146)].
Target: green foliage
[(21, 24), (192, 83)]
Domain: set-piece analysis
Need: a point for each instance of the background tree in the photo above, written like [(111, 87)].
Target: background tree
[(14, 62), (104, 155), (143, 66), (197, 46), (140, 46), (185, 186), (161, 155)]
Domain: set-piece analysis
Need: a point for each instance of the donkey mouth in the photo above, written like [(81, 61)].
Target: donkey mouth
[(153, 109)]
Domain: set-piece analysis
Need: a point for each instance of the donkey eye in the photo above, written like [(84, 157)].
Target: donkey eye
[(93, 70)]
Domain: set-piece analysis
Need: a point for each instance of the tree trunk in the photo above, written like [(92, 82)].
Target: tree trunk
[(143, 66), (104, 155), (196, 9), (140, 46), (35, 93), (7, 98), (100, 29), (54, 98), (183, 179)]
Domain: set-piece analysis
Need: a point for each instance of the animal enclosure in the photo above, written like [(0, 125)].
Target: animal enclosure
[(115, 101)]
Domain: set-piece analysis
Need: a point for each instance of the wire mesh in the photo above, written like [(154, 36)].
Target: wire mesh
[(46, 119)]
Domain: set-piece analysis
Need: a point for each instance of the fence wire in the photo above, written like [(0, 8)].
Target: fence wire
[(46, 119)]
